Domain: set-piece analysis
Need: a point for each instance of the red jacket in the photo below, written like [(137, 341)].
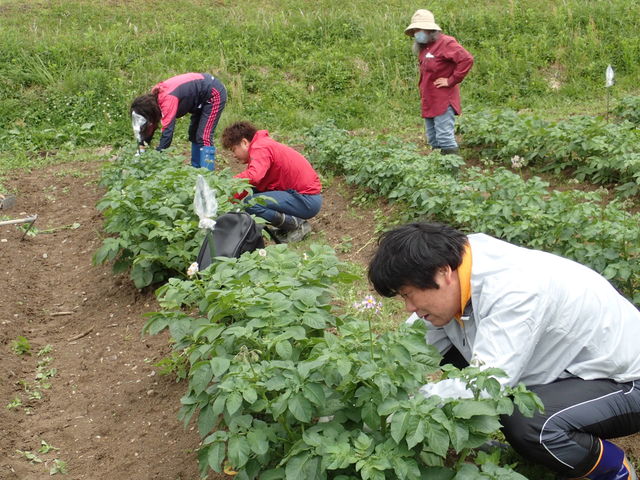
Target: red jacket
[(443, 58), (277, 167)]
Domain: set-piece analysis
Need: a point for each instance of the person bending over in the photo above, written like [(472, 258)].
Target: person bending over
[(553, 324), (284, 178), (201, 95)]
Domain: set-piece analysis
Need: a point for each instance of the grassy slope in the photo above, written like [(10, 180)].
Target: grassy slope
[(69, 69)]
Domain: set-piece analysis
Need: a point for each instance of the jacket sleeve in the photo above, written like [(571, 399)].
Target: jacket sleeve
[(463, 62), (259, 165), (505, 340), (169, 108)]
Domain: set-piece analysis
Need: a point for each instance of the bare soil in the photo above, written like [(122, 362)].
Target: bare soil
[(108, 411)]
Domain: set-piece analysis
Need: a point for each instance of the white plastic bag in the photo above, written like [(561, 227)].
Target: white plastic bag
[(205, 204), (137, 121)]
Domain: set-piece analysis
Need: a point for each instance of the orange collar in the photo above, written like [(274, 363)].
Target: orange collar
[(464, 277)]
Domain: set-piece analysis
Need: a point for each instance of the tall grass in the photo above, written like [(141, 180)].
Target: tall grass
[(68, 69)]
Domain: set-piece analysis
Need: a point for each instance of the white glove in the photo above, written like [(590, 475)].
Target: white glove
[(448, 388)]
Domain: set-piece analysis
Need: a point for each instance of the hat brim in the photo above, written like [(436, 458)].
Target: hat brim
[(421, 26)]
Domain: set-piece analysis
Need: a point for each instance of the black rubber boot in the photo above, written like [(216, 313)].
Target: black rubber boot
[(285, 222), (450, 151)]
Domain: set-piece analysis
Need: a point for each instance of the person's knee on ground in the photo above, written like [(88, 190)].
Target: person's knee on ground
[(523, 435), (612, 464)]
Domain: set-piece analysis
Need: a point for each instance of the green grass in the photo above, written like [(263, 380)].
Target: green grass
[(68, 70)]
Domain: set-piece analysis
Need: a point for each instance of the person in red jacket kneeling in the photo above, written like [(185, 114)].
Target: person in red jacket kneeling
[(284, 178)]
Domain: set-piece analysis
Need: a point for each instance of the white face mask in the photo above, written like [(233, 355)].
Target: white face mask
[(423, 37)]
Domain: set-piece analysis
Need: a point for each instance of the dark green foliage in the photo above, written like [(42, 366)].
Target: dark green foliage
[(286, 386), (149, 209)]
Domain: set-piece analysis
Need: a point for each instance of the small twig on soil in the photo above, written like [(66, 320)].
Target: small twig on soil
[(57, 314), (84, 334), (365, 245)]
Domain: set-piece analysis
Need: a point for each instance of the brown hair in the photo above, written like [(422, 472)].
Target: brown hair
[(234, 134), (147, 106)]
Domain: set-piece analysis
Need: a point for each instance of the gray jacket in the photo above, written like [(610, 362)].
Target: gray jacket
[(540, 317)]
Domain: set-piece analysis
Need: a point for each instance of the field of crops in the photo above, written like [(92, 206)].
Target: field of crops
[(119, 362)]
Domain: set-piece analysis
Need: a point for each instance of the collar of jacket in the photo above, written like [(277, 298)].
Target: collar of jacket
[(464, 277)]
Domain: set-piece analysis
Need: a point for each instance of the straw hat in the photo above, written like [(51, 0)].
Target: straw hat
[(422, 20)]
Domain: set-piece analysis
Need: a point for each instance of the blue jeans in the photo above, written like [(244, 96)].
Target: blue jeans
[(289, 202), (440, 130)]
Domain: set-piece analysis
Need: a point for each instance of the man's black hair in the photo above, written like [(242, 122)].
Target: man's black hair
[(411, 255)]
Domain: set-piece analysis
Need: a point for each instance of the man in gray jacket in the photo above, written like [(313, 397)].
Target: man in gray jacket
[(548, 322)]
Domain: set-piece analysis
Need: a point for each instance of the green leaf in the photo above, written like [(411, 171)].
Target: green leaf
[(218, 404), (239, 451), (459, 436), (431, 459), (258, 442), (437, 439), (206, 420), (468, 472), (273, 474), (367, 371), (219, 365), (314, 320), (297, 333), (275, 383), (388, 406), (300, 408), (399, 425), (284, 349), (314, 393), (305, 367), (250, 395), (343, 366), (216, 453), (485, 423), (406, 468), (415, 432), (304, 466), (370, 415), (201, 375), (468, 408), (234, 402), (280, 404)]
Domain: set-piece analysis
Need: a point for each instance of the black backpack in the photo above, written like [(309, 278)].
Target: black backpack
[(234, 234)]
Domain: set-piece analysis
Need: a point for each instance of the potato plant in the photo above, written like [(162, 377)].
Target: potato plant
[(575, 224), (148, 210), (288, 383), (591, 148)]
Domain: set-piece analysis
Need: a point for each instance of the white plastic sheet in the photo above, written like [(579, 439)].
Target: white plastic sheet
[(205, 204), (608, 77)]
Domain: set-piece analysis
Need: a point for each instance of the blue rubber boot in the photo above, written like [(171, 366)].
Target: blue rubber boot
[(195, 155), (613, 465), (208, 157)]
